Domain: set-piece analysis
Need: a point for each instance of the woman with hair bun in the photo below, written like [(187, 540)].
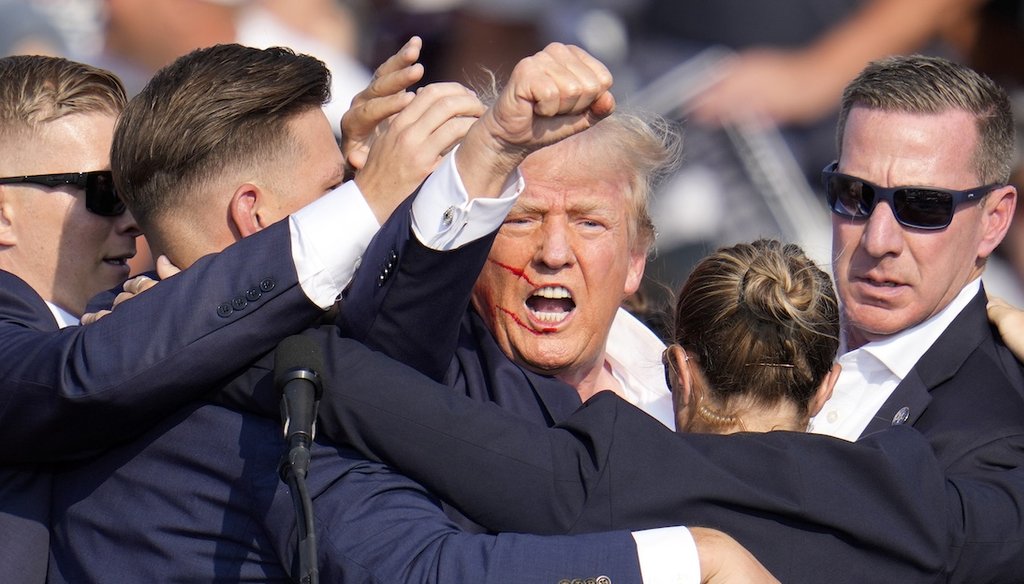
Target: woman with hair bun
[(756, 333)]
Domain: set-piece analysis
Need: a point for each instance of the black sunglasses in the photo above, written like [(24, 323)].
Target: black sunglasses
[(100, 197), (915, 207)]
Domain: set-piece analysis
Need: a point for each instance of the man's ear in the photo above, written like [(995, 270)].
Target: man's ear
[(637, 263), (245, 209), (8, 235), (998, 211), (824, 390)]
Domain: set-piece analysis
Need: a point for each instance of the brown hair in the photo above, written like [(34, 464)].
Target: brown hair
[(210, 109), (763, 321), (35, 90), (932, 85)]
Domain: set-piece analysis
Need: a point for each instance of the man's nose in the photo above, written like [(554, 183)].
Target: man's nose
[(555, 250), (125, 224), (883, 234)]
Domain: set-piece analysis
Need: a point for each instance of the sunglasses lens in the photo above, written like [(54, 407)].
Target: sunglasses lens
[(849, 197), (100, 197), (923, 208)]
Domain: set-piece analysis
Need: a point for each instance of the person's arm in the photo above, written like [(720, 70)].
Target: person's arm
[(375, 525), (611, 467), (801, 85), (71, 391)]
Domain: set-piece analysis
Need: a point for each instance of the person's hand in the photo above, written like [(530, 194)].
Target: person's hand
[(384, 97), (550, 96), (723, 560), (1010, 322), (135, 286), (413, 143), (768, 85)]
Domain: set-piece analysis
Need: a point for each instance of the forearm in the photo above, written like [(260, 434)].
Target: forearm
[(69, 392)]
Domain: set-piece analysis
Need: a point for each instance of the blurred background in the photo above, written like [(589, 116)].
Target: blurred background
[(754, 85)]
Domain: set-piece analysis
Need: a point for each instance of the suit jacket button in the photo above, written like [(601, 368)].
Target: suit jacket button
[(267, 285), (238, 303), (224, 310), (253, 294), (604, 580), (901, 416)]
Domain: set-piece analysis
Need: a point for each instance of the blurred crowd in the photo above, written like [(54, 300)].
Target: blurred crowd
[(754, 85)]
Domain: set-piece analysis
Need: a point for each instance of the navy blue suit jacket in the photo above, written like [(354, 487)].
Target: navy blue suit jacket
[(198, 499), (73, 391)]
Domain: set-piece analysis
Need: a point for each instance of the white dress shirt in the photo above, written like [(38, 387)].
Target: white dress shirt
[(872, 372)]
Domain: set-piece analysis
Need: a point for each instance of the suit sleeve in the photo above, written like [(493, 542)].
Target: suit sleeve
[(408, 300), (853, 510), (72, 391), (374, 525)]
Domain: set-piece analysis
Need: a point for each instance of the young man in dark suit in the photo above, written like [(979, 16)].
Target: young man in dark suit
[(65, 236)]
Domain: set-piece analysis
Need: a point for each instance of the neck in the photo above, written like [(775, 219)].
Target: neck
[(744, 417), (590, 380)]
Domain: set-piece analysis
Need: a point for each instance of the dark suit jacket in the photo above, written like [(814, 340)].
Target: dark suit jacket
[(966, 394), (72, 391), (198, 499)]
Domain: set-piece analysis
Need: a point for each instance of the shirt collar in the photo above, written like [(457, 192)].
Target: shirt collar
[(900, 352), (63, 317), (634, 353)]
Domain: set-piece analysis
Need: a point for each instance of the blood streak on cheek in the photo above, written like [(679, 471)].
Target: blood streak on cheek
[(522, 324), (515, 271)]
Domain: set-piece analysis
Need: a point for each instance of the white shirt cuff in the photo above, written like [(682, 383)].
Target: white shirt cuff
[(445, 218), (667, 556), (328, 239)]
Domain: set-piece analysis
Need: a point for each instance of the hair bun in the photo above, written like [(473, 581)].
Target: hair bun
[(775, 291)]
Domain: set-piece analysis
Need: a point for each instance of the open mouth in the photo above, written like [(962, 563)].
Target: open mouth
[(550, 304)]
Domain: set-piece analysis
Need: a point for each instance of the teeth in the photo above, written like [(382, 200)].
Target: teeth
[(550, 317), (552, 292)]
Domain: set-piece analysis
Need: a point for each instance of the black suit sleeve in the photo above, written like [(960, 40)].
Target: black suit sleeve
[(810, 507)]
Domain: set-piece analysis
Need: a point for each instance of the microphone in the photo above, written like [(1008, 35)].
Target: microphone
[(297, 363)]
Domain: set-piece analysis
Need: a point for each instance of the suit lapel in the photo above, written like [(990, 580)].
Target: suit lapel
[(939, 363)]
